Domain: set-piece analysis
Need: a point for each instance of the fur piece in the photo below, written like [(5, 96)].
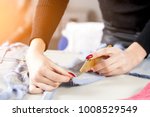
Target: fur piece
[(17, 83)]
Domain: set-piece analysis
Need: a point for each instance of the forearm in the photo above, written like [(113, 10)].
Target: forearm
[(47, 16), (144, 38)]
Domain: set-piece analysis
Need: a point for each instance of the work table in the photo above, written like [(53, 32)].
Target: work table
[(110, 88)]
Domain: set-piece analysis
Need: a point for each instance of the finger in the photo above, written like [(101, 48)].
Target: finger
[(45, 87), (60, 70), (113, 73), (58, 78), (39, 78), (34, 90), (53, 76), (101, 52), (111, 68), (47, 81), (105, 63), (105, 52)]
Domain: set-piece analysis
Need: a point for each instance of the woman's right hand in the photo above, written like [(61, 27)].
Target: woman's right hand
[(117, 61), (43, 73)]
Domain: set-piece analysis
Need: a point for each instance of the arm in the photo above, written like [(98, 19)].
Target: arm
[(144, 38), (47, 17), (44, 74), (120, 61)]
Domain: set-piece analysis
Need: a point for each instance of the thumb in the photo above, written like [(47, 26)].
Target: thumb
[(34, 90), (103, 53)]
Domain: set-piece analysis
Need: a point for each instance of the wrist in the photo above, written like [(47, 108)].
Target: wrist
[(136, 51), (37, 45)]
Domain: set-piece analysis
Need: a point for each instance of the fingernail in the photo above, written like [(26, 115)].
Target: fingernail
[(89, 56), (72, 74)]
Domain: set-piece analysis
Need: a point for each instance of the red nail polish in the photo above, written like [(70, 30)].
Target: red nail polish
[(89, 56), (72, 74)]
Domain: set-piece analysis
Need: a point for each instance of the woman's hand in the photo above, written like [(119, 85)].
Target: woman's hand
[(44, 74), (118, 61)]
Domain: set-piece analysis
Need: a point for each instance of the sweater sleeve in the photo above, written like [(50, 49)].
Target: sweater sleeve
[(144, 38), (47, 17)]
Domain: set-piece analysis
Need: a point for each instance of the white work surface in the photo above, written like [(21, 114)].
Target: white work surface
[(118, 87)]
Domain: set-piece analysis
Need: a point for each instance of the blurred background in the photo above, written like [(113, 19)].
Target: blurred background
[(78, 11), (16, 19)]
